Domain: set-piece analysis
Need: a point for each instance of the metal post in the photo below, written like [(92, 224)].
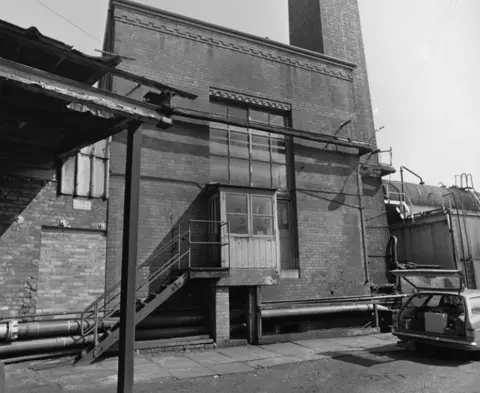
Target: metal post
[(129, 261), (189, 244), (95, 327)]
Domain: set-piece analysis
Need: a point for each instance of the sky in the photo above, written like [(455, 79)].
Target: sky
[(422, 62)]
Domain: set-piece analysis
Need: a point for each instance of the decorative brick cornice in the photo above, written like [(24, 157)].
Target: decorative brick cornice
[(230, 95), (179, 26)]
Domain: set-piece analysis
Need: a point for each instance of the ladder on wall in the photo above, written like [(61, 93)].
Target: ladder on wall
[(464, 182)]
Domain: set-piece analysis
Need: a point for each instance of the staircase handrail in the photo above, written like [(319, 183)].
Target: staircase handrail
[(93, 308)]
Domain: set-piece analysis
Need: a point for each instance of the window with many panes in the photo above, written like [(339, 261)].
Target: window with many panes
[(250, 215), (245, 156), (86, 173)]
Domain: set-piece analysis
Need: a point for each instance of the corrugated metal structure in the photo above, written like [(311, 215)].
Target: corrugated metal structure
[(442, 226)]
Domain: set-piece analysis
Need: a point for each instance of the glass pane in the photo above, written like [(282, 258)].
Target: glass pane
[(83, 175), (279, 176), (279, 149), (98, 189), (239, 172), (218, 126), (68, 176), (261, 175), (238, 224), (218, 142), (87, 149), (237, 113), (277, 120), (239, 145), (262, 226), (236, 203), (100, 149), (282, 216), (258, 116), (219, 169), (218, 109), (261, 205), (259, 133), (260, 148)]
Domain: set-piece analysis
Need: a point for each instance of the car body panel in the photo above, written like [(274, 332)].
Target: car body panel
[(471, 321)]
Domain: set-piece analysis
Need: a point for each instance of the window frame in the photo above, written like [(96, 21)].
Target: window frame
[(250, 214), (251, 132), (94, 157)]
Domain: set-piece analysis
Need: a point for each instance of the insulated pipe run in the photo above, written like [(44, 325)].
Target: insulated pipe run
[(45, 344), (284, 312), (12, 330)]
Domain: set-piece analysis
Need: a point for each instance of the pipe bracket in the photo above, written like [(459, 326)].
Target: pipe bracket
[(12, 330)]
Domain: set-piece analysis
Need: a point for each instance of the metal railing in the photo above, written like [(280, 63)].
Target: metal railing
[(221, 225), (107, 304)]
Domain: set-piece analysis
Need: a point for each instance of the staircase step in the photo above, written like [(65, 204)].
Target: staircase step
[(168, 343)]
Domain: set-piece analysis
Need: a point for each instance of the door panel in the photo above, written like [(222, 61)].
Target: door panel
[(284, 217)]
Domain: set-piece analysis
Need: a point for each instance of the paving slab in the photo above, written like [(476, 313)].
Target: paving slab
[(322, 345), (175, 362), (288, 349), (194, 372), (247, 353), (275, 361), (230, 368), (363, 342), (210, 357)]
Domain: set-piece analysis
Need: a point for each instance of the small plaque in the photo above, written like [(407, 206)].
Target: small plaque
[(82, 204)]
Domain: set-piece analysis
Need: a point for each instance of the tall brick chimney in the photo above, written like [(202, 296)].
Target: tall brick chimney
[(332, 27)]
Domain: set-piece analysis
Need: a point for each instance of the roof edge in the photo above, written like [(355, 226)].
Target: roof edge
[(225, 30)]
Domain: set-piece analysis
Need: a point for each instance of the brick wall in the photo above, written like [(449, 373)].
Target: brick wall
[(71, 269), (222, 314), (173, 173), (35, 200), (336, 23), (322, 93)]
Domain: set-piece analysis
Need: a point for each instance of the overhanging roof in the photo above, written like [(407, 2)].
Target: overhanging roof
[(38, 125), (30, 47)]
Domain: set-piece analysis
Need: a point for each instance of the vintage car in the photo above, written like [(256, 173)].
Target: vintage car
[(440, 311)]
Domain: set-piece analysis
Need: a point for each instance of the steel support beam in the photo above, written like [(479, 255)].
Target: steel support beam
[(41, 82), (129, 260)]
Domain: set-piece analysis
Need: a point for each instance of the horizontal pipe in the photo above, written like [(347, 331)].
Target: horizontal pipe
[(336, 299), (156, 334), (284, 312), (42, 329), (45, 344), (53, 314), (43, 355), (158, 321)]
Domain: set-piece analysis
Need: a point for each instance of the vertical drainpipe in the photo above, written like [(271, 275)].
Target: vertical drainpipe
[(362, 224)]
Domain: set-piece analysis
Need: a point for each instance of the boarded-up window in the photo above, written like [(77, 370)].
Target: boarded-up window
[(86, 173)]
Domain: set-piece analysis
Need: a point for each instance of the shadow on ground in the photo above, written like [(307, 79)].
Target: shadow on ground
[(431, 356)]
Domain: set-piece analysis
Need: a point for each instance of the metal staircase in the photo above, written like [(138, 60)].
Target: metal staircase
[(172, 275)]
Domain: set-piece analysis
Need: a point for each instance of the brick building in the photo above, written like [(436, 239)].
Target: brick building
[(280, 144), (310, 189)]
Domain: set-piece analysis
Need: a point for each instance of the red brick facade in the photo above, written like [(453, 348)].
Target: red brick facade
[(322, 92), (34, 270)]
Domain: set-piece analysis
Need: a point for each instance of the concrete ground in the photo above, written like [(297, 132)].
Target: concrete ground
[(357, 364)]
